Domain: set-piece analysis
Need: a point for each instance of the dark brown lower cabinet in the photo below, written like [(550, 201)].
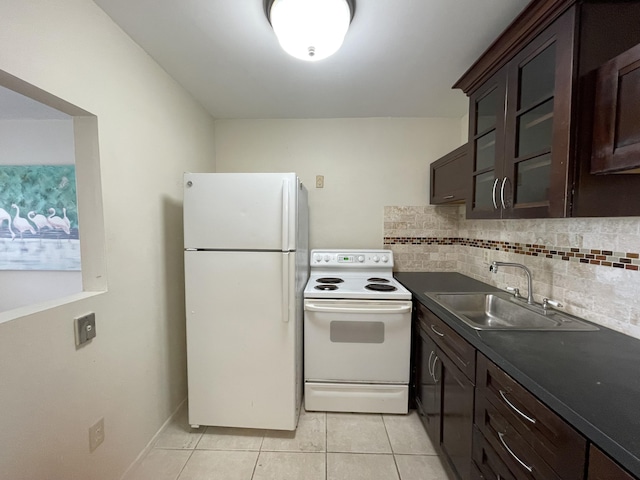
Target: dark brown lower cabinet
[(457, 417), (428, 386), (486, 462), (601, 467), (485, 423)]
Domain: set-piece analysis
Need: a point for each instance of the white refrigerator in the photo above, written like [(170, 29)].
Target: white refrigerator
[(246, 260)]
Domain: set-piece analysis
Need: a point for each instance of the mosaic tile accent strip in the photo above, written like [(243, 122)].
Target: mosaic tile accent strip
[(605, 258)]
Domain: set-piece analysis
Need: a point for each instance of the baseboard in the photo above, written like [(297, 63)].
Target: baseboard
[(149, 445)]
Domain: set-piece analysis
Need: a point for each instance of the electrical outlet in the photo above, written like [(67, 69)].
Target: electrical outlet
[(319, 181), (85, 328), (96, 435)]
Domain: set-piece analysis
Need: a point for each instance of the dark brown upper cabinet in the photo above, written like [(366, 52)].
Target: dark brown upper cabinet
[(520, 120), (616, 122), (531, 103), (449, 177)]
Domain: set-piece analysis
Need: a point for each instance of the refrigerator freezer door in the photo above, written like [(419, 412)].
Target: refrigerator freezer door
[(240, 211), (243, 339)]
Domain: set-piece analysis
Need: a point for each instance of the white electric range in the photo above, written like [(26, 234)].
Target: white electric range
[(357, 333)]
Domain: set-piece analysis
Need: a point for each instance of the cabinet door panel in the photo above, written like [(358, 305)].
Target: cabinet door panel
[(601, 467), (616, 133), (457, 417), (486, 135), (449, 177), (428, 388), (538, 123)]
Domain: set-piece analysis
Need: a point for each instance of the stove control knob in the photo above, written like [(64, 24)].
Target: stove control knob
[(361, 258), (376, 259), (385, 259), (317, 257), (326, 258)]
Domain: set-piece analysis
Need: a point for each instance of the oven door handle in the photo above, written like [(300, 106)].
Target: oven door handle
[(314, 307)]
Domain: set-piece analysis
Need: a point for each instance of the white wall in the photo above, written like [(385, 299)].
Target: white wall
[(133, 373), (35, 142), (367, 163)]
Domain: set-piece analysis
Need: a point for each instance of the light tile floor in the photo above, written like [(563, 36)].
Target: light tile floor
[(325, 446)]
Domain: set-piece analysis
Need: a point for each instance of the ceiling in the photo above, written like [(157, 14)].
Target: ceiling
[(399, 59)]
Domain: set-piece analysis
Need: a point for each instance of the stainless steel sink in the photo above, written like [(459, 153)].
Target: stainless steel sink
[(502, 311)]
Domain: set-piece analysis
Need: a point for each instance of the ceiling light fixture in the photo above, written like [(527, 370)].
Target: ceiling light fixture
[(310, 29)]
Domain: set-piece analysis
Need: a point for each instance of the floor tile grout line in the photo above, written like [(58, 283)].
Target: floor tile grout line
[(326, 446), (185, 464), (391, 447)]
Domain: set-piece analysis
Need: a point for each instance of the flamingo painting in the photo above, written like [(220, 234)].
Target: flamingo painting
[(21, 224), (40, 221), (56, 222), (65, 219), (4, 215)]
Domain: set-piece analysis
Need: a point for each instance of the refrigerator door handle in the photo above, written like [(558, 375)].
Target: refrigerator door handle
[(285, 287), (285, 215)]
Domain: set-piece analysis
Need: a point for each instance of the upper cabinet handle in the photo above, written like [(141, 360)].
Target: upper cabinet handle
[(448, 197), (493, 194), (504, 182), (436, 331), (526, 417)]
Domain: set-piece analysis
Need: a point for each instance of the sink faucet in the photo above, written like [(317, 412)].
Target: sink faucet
[(494, 268)]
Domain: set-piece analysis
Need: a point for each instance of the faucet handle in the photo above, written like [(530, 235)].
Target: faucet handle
[(514, 290), (546, 303)]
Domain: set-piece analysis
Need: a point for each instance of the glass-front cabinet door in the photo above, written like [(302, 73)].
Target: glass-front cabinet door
[(520, 127), (537, 122), (486, 131)]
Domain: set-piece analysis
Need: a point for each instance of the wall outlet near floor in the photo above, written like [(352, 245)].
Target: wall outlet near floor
[(96, 435), (319, 181)]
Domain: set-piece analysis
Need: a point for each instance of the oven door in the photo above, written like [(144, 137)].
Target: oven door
[(357, 340)]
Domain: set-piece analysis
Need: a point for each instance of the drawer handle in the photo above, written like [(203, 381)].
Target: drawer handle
[(501, 435), (436, 331), (448, 197), (526, 417)]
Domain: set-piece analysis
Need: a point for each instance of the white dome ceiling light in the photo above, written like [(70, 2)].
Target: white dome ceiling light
[(310, 29)]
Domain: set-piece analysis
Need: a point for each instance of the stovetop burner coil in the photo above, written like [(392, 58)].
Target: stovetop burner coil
[(378, 280), (380, 287), (329, 280), (326, 287)]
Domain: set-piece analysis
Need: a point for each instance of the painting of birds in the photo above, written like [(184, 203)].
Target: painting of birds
[(40, 221), (4, 215), (21, 224), (56, 222)]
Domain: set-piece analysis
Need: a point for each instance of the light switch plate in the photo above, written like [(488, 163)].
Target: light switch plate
[(85, 328)]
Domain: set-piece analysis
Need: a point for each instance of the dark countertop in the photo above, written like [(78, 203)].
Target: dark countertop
[(591, 379)]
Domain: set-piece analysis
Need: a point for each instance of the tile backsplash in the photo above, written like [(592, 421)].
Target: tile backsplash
[(590, 265)]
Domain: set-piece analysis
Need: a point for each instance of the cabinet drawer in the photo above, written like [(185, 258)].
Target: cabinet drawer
[(461, 352), (487, 461), (514, 449), (503, 405)]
